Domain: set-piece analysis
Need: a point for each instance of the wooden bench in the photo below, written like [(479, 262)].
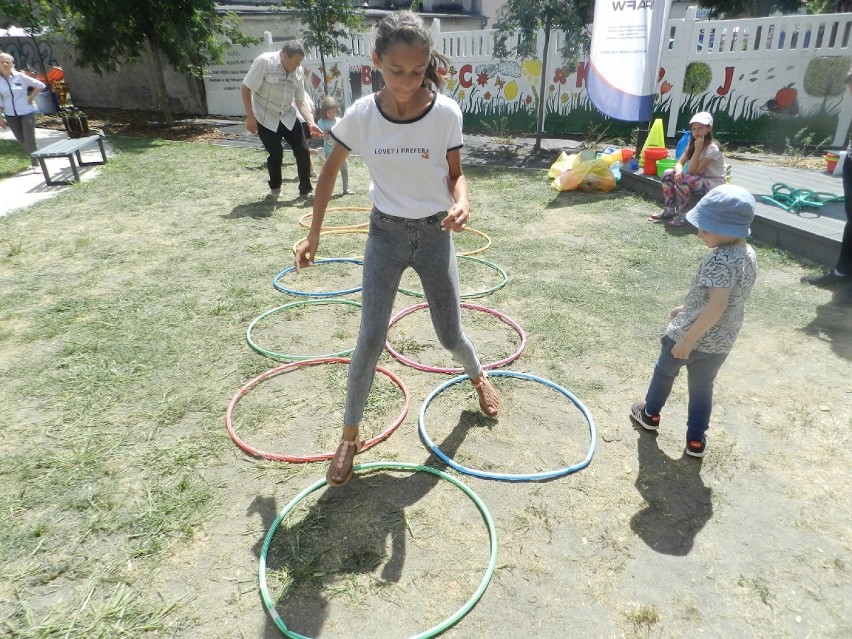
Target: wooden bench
[(68, 148)]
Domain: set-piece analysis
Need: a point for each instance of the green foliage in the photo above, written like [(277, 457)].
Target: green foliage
[(35, 17), (329, 23), (525, 18), (825, 77), (802, 146), (191, 33), (697, 77), (760, 8), (815, 7)]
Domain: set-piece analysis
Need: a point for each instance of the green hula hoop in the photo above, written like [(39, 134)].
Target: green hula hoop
[(504, 278), (427, 634), (295, 358)]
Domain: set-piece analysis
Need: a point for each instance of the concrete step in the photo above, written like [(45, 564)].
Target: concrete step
[(812, 234)]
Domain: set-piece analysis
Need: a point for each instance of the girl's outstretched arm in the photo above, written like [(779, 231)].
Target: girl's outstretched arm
[(307, 250)]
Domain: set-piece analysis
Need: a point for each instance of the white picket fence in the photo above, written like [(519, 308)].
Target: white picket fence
[(752, 59)]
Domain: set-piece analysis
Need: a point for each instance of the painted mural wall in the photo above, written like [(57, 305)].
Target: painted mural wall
[(764, 79)]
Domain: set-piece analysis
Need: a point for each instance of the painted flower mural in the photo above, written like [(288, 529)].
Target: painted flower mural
[(531, 70), (511, 90)]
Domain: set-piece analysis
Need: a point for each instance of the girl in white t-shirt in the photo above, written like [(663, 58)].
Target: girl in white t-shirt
[(699, 169), (410, 138)]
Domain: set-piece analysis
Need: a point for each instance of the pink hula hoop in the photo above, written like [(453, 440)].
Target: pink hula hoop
[(474, 307), (300, 459)]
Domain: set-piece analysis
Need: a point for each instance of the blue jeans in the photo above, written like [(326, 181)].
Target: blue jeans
[(394, 244), (701, 371)]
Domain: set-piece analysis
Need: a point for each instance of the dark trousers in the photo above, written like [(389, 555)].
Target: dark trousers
[(295, 137), (23, 128), (844, 262)]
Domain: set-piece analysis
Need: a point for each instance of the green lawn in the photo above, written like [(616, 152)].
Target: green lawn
[(126, 510), (12, 158)]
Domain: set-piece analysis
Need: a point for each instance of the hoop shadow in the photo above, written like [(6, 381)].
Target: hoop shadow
[(347, 531), (678, 503), (832, 324)]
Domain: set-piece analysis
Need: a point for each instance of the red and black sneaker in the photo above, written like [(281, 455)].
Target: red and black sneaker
[(646, 421), (696, 448)]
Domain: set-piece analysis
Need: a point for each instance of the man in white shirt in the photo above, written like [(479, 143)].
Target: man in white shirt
[(272, 91)]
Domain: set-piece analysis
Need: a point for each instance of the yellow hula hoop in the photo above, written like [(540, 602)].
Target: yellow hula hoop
[(480, 234), (363, 231), (303, 221), (362, 228)]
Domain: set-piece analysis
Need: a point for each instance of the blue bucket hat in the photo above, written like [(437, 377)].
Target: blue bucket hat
[(725, 210)]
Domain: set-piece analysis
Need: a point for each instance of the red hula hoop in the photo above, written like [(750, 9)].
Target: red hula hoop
[(474, 307), (300, 459)]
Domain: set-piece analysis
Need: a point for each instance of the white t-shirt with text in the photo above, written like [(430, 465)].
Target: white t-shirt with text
[(407, 159)]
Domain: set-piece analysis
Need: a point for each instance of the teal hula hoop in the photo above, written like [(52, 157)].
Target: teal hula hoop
[(295, 358), (427, 634), (504, 279)]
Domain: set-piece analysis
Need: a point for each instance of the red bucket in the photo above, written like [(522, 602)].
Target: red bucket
[(830, 161), (651, 155)]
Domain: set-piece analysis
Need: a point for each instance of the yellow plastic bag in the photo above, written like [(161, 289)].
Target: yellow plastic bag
[(563, 163), (598, 178), (588, 175)]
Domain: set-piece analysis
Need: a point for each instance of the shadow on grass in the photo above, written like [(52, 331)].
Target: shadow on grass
[(256, 210), (833, 324), (575, 198), (678, 503), (344, 533)]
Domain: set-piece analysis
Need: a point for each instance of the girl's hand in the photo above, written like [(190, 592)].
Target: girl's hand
[(305, 253), (457, 217), (677, 310)]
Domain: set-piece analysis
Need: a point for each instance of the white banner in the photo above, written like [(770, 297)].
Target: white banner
[(627, 37)]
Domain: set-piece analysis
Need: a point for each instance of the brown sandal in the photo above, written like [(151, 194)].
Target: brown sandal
[(489, 399), (341, 458)]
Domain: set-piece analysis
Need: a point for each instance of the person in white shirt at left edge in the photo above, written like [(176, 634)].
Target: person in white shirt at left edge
[(272, 91), (16, 101)]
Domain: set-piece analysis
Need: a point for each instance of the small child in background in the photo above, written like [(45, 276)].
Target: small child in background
[(703, 331), (699, 169), (329, 116)]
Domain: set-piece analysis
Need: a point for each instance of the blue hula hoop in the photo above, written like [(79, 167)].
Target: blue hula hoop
[(552, 474), (350, 260)]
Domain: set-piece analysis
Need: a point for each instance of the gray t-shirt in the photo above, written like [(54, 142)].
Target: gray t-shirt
[(731, 267)]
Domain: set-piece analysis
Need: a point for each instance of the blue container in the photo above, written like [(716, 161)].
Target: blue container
[(45, 102), (682, 144)]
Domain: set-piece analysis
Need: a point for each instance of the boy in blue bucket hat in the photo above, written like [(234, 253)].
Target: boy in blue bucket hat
[(702, 332)]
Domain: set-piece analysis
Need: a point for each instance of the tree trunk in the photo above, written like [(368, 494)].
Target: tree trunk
[(539, 118), (38, 54), (322, 69), (159, 76)]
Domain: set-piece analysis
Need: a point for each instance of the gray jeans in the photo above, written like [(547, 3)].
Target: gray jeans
[(23, 128), (394, 244)]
